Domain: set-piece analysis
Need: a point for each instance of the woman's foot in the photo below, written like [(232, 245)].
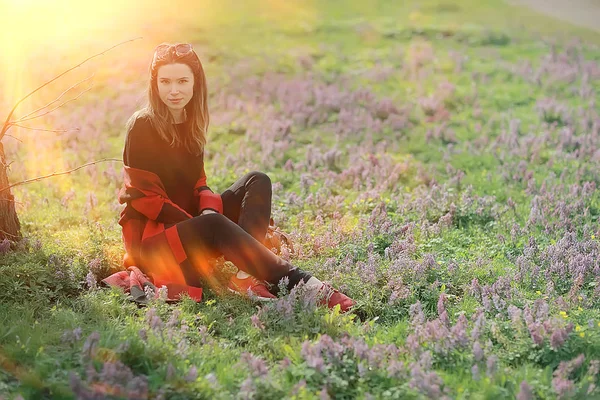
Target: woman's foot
[(329, 296), (333, 297), (242, 282)]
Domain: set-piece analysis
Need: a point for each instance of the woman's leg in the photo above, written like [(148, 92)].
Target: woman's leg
[(248, 203), (213, 235)]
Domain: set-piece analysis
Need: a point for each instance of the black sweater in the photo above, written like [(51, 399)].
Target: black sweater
[(175, 166)]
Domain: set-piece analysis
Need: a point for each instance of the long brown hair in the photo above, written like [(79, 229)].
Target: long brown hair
[(196, 124)]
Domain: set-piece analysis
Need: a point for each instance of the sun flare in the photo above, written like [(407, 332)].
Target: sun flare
[(40, 40), (34, 27)]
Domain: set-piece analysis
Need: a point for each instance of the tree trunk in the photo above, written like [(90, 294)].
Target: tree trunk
[(10, 228)]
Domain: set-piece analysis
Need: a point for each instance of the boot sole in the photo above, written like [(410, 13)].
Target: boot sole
[(259, 298)]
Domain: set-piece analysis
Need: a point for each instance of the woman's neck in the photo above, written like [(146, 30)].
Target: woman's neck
[(178, 116)]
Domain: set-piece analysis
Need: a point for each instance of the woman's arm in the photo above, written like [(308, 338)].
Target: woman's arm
[(207, 199), (144, 191)]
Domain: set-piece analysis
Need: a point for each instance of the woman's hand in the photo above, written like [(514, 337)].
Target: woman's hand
[(208, 212)]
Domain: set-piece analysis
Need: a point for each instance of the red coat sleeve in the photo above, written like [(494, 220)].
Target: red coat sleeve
[(207, 199)]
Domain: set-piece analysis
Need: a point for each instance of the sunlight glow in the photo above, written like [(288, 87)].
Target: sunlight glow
[(41, 39)]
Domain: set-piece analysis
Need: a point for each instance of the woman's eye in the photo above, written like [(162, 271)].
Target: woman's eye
[(183, 81)]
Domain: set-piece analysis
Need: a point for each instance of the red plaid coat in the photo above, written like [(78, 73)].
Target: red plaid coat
[(151, 239)]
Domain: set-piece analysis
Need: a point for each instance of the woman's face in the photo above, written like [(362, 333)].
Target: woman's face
[(175, 86)]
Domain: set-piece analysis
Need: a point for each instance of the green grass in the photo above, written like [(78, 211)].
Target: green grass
[(43, 295)]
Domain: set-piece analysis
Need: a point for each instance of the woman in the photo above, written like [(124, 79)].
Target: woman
[(173, 223)]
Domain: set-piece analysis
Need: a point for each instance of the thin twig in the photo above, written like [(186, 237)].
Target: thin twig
[(6, 166), (12, 201), (56, 173), (14, 137), (8, 234), (45, 130), (6, 123), (49, 111), (55, 100)]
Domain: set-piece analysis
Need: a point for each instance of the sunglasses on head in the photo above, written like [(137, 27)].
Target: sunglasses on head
[(179, 49)]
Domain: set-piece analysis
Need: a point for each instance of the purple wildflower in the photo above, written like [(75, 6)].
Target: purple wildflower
[(515, 315), (247, 389), (324, 394), (562, 385), (440, 304), (162, 293), (89, 347), (258, 367), (477, 352), (95, 265), (396, 369), (558, 338), (153, 319), (298, 387), (256, 322), (71, 336), (525, 392), (459, 331), (212, 379), (4, 246), (475, 372), (171, 372), (413, 344), (92, 201), (492, 364), (535, 330), (312, 356), (417, 316), (90, 280), (428, 383), (174, 320), (479, 324)]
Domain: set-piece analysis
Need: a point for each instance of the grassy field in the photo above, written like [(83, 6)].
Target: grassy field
[(438, 161)]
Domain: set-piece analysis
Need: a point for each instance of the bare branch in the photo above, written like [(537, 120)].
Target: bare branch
[(53, 101), (49, 111), (8, 234), (11, 201), (39, 178), (6, 166), (6, 123), (45, 130), (14, 137)]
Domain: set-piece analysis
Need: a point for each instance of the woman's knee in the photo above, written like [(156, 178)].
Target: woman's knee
[(205, 224), (203, 228), (259, 177), (213, 219)]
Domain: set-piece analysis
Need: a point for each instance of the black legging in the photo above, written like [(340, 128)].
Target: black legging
[(238, 234)]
